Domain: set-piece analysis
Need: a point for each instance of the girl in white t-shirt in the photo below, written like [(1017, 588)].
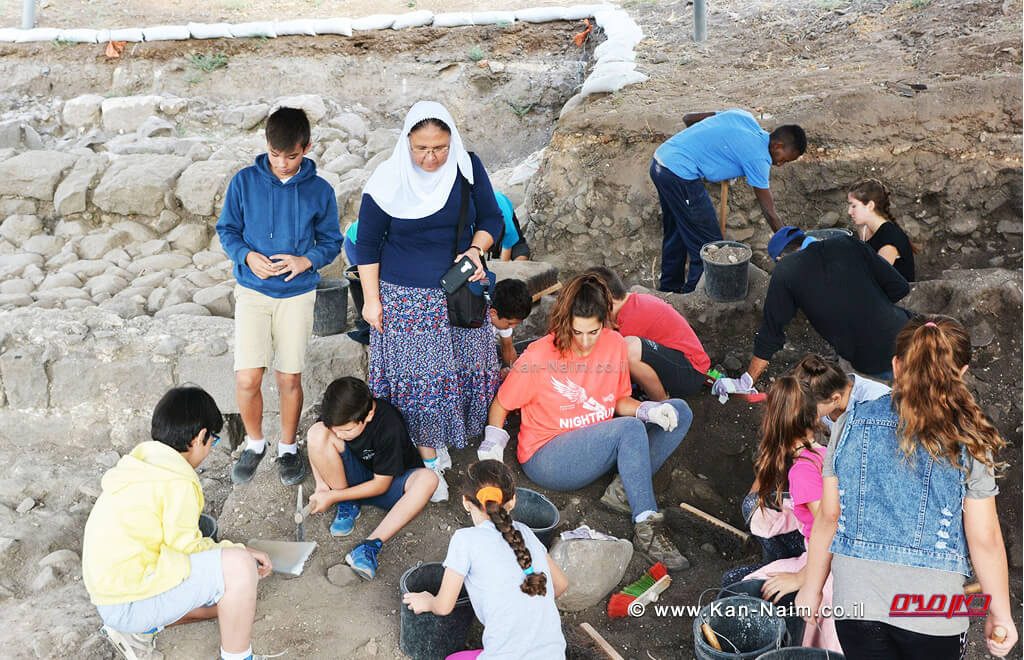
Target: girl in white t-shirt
[(511, 580)]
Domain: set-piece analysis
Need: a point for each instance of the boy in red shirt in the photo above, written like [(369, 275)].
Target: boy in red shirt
[(665, 357)]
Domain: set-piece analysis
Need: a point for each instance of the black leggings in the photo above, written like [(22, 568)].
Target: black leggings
[(874, 640)]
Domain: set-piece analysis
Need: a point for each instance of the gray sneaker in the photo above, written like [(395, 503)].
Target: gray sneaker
[(245, 466), (649, 539), (133, 646), (615, 497), (291, 468)]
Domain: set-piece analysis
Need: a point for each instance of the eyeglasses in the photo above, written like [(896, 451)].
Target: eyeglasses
[(423, 152), (216, 439)]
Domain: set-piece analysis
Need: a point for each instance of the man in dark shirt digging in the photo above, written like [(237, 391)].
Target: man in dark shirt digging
[(846, 291)]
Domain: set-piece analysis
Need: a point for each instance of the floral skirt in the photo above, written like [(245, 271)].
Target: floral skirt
[(441, 378)]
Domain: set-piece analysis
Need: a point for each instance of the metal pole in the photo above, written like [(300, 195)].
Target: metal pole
[(28, 14), (700, 20)]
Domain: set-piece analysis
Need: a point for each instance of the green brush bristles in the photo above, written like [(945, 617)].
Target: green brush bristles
[(640, 586)]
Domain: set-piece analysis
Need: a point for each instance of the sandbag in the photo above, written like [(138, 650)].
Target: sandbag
[(541, 14), (165, 33), (79, 36), (526, 169), (37, 34), (614, 51), (611, 83), (493, 17), (579, 12), (618, 26), (603, 69), (413, 19), (453, 19), (254, 29), (303, 26), (341, 26), (374, 22), (210, 30), (126, 34)]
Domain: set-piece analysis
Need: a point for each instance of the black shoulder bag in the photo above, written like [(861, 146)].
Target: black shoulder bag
[(467, 305)]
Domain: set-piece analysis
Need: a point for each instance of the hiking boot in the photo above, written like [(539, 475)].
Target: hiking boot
[(137, 646), (363, 558), (615, 498), (345, 519), (245, 466), (361, 335), (649, 539), (291, 468), (441, 492)]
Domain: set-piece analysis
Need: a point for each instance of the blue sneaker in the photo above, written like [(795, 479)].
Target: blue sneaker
[(345, 519), (363, 558)]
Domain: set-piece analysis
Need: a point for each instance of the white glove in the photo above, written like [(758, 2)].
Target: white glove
[(492, 447), (662, 414), (723, 387)]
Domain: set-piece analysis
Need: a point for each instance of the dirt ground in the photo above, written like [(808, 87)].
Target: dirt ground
[(793, 49)]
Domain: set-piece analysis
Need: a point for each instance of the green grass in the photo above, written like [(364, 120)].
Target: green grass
[(207, 62), (520, 109), (476, 53), (919, 4)]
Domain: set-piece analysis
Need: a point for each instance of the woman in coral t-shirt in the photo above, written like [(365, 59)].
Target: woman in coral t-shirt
[(579, 421)]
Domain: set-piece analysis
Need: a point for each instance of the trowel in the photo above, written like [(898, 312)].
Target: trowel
[(289, 557)]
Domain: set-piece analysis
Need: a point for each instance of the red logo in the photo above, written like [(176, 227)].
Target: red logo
[(940, 605)]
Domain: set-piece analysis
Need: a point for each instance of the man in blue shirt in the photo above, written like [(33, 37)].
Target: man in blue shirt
[(715, 146)]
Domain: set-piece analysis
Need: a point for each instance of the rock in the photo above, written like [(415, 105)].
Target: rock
[(593, 568), (732, 363), (963, 225), (137, 184), (372, 164), (344, 163), (128, 113), (173, 106), (138, 232), (155, 126), (59, 295), (96, 246), (15, 300), (207, 258), (1009, 227), (352, 124), (85, 269), (105, 285), (70, 196), (158, 262), (380, 141), (17, 206), (202, 183), (18, 228), (219, 300), (10, 134), (12, 265), (982, 334), (138, 381), (709, 548), (82, 110), (32, 139), (189, 308), (26, 505), (340, 575), (17, 286), (43, 244), (830, 219), (246, 116), (34, 173), (60, 279), (311, 104), (44, 579), (60, 558), (189, 238)]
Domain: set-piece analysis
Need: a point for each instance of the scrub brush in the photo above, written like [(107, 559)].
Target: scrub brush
[(644, 591)]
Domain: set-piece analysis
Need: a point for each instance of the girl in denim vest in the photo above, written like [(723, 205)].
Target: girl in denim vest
[(909, 495)]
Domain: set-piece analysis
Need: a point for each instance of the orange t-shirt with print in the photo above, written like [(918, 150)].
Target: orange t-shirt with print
[(557, 393)]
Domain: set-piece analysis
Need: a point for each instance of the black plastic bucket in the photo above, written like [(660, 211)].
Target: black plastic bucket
[(794, 624), (331, 309), (536, 512), (725, 282), (802, 653), (829, 232), (744, 626), (428, 636), (208, 526)]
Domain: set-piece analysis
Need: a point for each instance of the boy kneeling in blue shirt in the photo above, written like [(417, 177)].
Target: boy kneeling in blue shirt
[(361, 453)]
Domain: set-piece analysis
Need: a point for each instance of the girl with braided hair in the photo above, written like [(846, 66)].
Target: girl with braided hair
[(513, 593)]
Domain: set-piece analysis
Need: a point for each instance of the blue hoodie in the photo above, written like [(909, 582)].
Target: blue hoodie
[(263, 215)]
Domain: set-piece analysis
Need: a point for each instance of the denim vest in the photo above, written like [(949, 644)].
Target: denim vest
[(900, 511)]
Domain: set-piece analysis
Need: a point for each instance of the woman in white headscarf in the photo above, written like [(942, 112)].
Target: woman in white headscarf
[(441, 378)]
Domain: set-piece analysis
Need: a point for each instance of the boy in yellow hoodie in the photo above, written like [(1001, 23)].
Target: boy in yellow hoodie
[(144, 562)]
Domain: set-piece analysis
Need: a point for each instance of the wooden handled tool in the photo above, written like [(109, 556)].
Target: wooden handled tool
[(999, 634), (607, 648), (723, 206), (710, 637), (707, 517), (302, 514)]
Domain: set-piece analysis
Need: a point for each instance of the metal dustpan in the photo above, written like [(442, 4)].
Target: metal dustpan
[(287, 557)]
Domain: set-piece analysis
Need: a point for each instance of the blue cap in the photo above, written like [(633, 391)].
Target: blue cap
[(782, 238)]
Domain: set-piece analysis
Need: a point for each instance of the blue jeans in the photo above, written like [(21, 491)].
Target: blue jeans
[(689, 221), (572, 460)]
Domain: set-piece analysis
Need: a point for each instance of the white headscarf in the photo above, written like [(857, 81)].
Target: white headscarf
[(403, 190)]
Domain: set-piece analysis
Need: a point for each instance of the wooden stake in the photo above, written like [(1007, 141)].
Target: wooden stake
[(548, 291), (608, 649), (723, 206), (707, 517)]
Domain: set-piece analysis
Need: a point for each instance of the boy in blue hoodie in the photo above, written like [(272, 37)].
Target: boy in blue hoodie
[(279, 225)]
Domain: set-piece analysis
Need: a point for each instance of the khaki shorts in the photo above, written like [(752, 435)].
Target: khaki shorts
[(266, 326)]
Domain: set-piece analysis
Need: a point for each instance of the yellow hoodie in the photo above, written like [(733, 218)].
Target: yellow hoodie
[(143, 527)]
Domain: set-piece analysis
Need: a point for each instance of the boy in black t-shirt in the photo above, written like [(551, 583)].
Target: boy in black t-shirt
[(361, 453)]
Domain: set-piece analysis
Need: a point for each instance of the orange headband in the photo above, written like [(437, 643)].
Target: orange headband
[(489, 494)]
